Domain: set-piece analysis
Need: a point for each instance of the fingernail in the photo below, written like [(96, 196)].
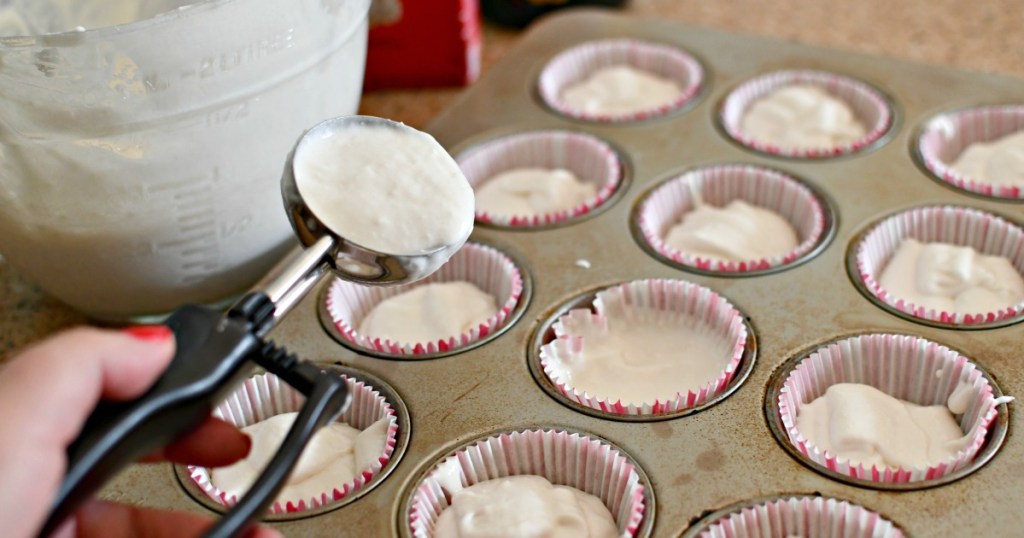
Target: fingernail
[(149, 333), (248, 444)]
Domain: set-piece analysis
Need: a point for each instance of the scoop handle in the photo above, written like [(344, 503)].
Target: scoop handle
[(213, 352)]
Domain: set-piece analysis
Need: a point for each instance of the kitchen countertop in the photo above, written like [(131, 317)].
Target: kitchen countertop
[(972, 35)]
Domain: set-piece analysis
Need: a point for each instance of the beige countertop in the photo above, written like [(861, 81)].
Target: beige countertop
[(983, 36)]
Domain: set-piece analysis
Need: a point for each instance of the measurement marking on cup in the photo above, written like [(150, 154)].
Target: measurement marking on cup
[(195, 243)]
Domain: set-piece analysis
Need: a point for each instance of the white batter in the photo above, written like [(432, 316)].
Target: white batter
[(396, 191), (641, 356), (999, 162), (865, 425), (333, 458), (524, 506), (949, 278), (801, 116), (620, 89), (428, 313), (532, 191), (736, 232)]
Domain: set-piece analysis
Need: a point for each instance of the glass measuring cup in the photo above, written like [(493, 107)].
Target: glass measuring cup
[(139, 163)]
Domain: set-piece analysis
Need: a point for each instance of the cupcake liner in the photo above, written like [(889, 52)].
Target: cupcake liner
[(675, 301), (905, 367), (961, 226), (665, 206), (263, 396), (590, 159), (818, 517), (563, 458), (944, 137), (575, 64), (868, 105), (349, 303)]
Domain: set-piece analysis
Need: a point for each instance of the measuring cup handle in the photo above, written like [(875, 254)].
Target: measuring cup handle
[(327, 398), (212, 351)]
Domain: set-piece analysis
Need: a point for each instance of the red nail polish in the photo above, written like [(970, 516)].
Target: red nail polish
[(150, 333)]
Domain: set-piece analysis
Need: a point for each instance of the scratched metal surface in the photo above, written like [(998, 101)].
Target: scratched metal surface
[(724, 454)]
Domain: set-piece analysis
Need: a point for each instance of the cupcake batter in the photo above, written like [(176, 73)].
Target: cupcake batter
[(639, 355), (948, 278), (619, 90), (524, 506), (737, 232), (999, 162), (531, 192), (864, 425), (435, 311), (390, 190), (332, 458), (801, 116)]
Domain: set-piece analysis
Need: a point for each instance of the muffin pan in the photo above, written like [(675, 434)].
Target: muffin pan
[(724, 455)]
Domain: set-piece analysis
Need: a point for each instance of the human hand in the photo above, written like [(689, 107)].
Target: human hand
[(46, 394)]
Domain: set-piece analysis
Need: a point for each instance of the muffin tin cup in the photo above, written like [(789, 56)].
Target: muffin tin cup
[(665, 205), (780, 517), (962, 226), (589, 158), (908, 368), (673, 301), (868, 104), (564, 457), (263, 396), (577, 63), (944, 137), (346, 304)]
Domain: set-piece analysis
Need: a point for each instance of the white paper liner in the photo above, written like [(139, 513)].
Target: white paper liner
[(576, 64), (817, 517), (590, 159), (676, 300), (263, 396), (944, 137), (349, 303), (868, 105), (718, 185), (961, 226), (908, 368), (563, 458)]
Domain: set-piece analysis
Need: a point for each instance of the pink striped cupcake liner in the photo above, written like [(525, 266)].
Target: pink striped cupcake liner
[(589, 158), (869, 105), (944, 137), (579, 460), (263, 396), (576, 64), (909, 368), (348, 303), (664, 206), (806, 516), (984, 232), (673, 302)]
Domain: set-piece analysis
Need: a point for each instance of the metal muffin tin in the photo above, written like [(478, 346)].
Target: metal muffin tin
[(724, 454)]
